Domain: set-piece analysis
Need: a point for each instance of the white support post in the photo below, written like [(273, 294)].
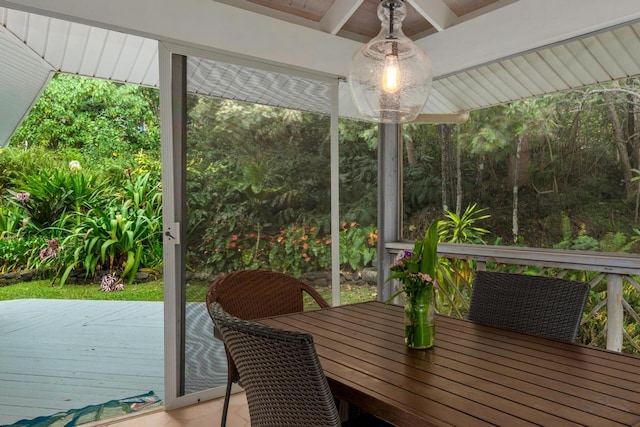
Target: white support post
[(389, 200), (615, 312), (335, 197)]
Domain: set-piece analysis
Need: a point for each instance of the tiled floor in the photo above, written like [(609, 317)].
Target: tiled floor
[(204, 414)]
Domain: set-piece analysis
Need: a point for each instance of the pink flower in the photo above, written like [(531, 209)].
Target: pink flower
[(111, 283), (23, 197), (50, 251), (425, 277)]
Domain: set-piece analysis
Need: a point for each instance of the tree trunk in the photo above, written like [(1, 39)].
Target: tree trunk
[(445, 161), (621, 145), (412, 159), (458, 173), (479, 174), (573, 140), (516, 174)]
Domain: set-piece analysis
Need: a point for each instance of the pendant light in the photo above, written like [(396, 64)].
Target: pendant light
[(390, 77)]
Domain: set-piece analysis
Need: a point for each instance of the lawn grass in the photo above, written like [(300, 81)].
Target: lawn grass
[(41, 289), (151, 291)]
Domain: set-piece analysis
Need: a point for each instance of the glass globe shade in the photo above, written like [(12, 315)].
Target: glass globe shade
[(390, 77)]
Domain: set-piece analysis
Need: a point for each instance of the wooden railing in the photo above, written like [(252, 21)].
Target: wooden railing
[(613, 304)]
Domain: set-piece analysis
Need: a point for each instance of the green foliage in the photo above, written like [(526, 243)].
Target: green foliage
[(20, 252), (228, 243), (53, 193), (421, 188), (581, 242), (83, 221), (294, 249), (462, 229), (357, 245), (99, 118), (17, 161), (13, 222), (115, 239), (145, 194), (616, 242), (455, 275), (358, 172), (256, 174), (299, 249), (55, 196)]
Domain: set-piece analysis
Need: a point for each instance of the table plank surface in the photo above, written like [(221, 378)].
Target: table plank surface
[(475, 375)]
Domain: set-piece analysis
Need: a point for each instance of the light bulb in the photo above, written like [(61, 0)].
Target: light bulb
[(390, 77), (391, 74)]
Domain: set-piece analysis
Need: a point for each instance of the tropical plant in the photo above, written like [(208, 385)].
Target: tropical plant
[(13, 222), (144, 193), (456, 275), (461, 228), (357, 245), (298, 249), (48, 195), (19, 252), (115, 239)]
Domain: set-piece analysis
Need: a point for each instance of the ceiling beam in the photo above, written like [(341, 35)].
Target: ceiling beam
[(338, 14), (271, 12), (499, 34), (436, 12), (209, 24)]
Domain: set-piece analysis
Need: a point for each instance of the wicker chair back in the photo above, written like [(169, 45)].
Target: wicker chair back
[(545, 306), (280, 371), (253, 294)]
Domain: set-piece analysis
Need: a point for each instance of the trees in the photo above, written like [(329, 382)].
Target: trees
[(545, 168), (623, 105), (100, 119), (537, 161), (258, 183)]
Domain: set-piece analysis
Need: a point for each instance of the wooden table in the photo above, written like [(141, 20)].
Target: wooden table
[(475, 375)]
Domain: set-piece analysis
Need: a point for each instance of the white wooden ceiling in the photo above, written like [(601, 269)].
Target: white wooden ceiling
[(484, 52)]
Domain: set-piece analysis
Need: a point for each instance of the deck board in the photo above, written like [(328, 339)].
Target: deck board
[(57, 355)]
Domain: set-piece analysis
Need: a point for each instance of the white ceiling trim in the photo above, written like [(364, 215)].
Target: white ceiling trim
[(338, 14), (436, 12)]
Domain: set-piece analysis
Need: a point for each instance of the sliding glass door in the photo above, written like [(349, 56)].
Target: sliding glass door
[(247, 184)]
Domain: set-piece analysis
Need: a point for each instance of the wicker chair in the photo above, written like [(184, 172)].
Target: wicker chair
[(545, 306), (280, 371), (252, 294)]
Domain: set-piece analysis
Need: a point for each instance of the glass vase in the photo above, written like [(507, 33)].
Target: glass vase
[(419, 320)]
